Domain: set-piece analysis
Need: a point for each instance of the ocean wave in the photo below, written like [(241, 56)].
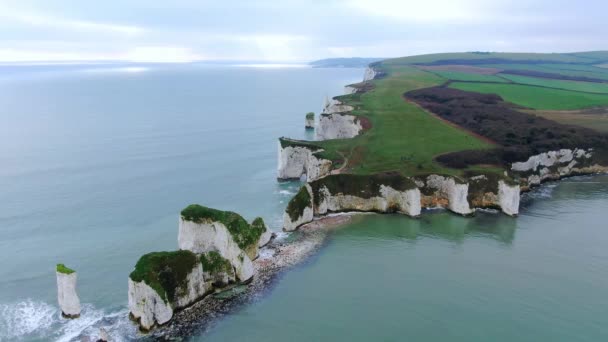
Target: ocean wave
[(25, 318), (39, 320)]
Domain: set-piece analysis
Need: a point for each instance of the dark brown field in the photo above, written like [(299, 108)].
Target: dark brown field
[(519, 134)]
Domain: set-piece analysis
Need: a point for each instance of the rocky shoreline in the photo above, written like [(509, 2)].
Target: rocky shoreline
[(278, 256)]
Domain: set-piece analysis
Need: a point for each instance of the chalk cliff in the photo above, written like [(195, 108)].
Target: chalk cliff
[(296, 160), (378, 193), (554, 165), (370, 74), (310, 120), (216, 249), (203, 229), (445, 191), (338, 126), (66, 292), (336, 106), (163, 282), (391, 192), (299, 210)]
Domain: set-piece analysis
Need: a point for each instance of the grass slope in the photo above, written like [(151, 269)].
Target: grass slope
[(406, 139), (536, 97), (403, 137)]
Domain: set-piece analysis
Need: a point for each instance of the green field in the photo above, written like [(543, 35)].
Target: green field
[(537, 97), (587, 87), (464, 76), (550, 68), (548, 57), (403, 136)]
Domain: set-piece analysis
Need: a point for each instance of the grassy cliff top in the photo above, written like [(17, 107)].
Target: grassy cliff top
[(61, 268), (310, 115), (407, 138), (243, 233), (165, 272)]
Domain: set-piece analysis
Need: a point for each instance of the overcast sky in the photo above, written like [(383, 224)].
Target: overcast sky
[(292, 30)]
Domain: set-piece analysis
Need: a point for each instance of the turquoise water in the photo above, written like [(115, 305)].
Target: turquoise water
[(97, 163), (540, 277)]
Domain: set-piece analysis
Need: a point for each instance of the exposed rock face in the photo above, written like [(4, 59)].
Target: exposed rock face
[(508, 198), (446, 192), (163, 282), (214, 236), (370, 74), (336, 106), (350, 90), (265, 238), (66, 293), (554, 165), (296, 161), (338, 126), (310, 121), (299, 210), (386, 193), (387, 200)]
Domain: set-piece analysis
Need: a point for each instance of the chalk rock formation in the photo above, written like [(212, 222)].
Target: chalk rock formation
[(203, 229), (66, 292), (370, 74), (338, 126), (345, 192), (296, 160), (491, 191), (350, 90), (299, 210), (379, 193), (508, 198), (310, 120), (336, 106), (444, 191), (554, 165), (163, 282)]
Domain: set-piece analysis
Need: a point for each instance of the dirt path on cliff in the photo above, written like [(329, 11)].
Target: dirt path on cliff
[(478, 136)]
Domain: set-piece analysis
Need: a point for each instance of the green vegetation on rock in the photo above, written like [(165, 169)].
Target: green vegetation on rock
[(310, 115), (165, 272), (61, 268), (296, 206), (214, 263), (244, 234), (286, 142), (364, 186)]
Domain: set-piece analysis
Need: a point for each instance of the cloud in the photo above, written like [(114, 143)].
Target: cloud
[(52, 22)]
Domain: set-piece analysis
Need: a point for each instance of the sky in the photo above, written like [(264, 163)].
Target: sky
[(291, 30)]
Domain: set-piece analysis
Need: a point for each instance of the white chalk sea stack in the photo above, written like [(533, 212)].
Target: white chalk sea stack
[(66, 292)]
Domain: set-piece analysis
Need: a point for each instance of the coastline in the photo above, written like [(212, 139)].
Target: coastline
[(280, 255)]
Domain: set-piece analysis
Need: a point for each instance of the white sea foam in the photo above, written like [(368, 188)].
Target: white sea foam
[(39, 320), (286, 192), (21, 319)]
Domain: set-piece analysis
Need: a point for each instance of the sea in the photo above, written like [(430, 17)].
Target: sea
[(97, 160)]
